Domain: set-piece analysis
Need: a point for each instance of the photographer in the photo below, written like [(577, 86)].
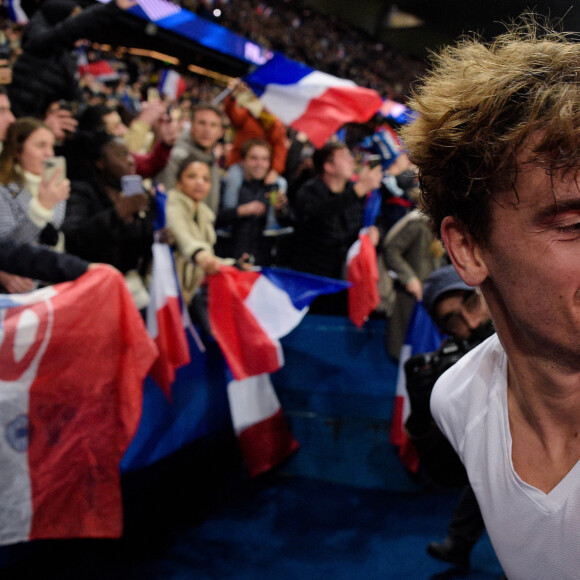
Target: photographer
[(460, 312)]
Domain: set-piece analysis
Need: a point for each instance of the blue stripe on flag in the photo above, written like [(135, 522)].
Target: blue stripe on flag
[(278, 70), (303, 288)]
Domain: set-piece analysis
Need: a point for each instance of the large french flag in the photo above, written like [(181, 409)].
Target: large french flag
[(311, 101), (167, 319), (362, 271), (250, 311), (71, 391), (422, 336)]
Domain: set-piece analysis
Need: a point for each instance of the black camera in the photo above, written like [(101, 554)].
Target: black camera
[(438, 459)]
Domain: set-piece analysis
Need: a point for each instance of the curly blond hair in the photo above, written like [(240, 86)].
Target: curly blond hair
[(479, 105)]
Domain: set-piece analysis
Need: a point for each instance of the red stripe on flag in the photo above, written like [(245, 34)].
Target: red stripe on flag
[(172, 344), (327, 113), (247, 348), (363, 272), (265, 444)]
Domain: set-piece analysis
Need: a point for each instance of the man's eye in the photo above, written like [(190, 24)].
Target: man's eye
[(570, 228)]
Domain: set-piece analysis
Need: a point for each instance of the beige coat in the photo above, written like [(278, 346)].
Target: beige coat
[(192, 227)]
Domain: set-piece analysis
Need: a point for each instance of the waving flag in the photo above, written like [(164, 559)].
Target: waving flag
[(171, 84), (166, 319), (422, 336), (311, 101), (250, 311), (363, 271), (263, 434), (71, 389)]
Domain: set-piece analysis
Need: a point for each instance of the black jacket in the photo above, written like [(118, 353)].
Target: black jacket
[(47, 71), (39, 263), (326, 225), (94, 231)]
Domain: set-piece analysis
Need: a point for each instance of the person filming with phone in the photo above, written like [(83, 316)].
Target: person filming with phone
[(110, 215), (32, 195)]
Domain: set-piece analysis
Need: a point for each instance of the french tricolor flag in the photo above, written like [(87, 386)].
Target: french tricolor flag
[(311, 101), (171, 84), (166, 319), (363, 271), (249, 312), (422, 336)]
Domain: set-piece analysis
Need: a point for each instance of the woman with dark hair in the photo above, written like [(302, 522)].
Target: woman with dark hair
[(105, 225), (32, 207)]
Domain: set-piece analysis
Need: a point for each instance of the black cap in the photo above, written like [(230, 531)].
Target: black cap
[(443, 280)]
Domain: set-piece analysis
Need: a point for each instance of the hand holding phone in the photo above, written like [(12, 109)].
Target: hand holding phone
[(54, 165), (131, 185)]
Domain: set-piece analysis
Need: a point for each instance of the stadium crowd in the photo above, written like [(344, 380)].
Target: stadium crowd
[(241, 186)]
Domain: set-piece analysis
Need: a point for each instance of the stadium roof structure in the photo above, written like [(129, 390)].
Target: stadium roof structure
[(164, 28), (455, 17)]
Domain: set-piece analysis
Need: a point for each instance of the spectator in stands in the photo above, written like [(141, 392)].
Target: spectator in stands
[(251, 120), (102, 224), (329, 212), (102, 118), (411, 252), (191, 223), (256, 209), (199, 139), (6, 115), (46, 70), (32, 207)]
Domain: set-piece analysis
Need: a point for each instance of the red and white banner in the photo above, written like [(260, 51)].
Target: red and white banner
[(72, 362)]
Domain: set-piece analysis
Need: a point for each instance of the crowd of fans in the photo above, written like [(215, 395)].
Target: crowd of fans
[(241, 187)]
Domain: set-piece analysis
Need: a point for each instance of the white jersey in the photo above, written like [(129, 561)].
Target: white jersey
[(535, 535)]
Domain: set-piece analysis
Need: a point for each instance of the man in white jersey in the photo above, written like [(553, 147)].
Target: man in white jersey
[(497, 145)]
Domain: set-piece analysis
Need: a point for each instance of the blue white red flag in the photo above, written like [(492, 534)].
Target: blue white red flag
[(363, 272), (263, 433), (422, 336), (73, 358), (167, 319), (311, 101), (171, 84), (250, 311)]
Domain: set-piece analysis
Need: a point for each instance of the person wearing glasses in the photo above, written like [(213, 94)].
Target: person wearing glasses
[(460, 312)]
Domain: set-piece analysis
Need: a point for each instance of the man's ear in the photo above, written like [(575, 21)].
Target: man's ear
[(464, 252)]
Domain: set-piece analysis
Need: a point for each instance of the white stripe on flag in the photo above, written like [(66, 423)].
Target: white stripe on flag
[(251, 400), (15, 485)]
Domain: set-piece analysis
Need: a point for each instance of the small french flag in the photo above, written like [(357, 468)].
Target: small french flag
[(171, 84), (165, 319)]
